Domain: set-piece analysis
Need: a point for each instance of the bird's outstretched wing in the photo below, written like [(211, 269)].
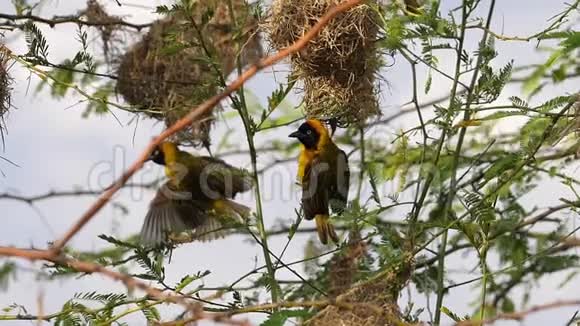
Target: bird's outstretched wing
[(225, 215), (170, 212), (221, 180)]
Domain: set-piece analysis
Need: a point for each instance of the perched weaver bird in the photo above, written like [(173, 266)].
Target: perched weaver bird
[(324, 176), (196, 197)]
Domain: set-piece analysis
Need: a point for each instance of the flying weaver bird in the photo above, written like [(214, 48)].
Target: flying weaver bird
[(324, 176), (196, 198)]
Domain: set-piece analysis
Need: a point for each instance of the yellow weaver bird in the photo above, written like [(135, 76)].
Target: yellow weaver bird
[(324, 175), (196, 198)]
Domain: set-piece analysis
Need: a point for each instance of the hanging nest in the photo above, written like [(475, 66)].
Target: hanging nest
[(338, 67), (5, 87), (343, 266), (166, 82), (95, 14), (369, 303)]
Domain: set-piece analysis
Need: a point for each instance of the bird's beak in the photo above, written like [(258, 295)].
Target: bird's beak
[(295, 134)]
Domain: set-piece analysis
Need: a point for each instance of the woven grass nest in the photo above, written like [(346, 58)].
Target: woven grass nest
[(95, 13), (338, 67), (166, 85), (369, 303)]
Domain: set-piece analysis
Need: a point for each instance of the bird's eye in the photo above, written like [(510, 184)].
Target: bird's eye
[(309, 132)]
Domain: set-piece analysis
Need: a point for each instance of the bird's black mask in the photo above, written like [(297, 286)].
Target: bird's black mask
[(157, 156), (306, 135)]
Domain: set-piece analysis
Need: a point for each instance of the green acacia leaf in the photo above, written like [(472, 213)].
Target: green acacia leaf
[(185, 282), (533, 82), (280, 317), (503, 164), (507, 305), (450, 314), (572, 42), (150, 313)]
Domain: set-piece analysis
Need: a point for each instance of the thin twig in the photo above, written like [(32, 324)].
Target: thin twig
[(87, 267), (194, 308), (69, 193), (73, 20), (520, 315)]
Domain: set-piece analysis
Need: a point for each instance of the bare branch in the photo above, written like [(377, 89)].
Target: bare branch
[(69, 193), (58, 20), (87, 267), (194, 308), (520, 315)]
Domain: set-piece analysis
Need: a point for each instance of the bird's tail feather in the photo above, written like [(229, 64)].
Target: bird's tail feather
[(164, 221), (242, 210), (212, 229), (217, 227), (325, 229), (159, 222), (230, 208)]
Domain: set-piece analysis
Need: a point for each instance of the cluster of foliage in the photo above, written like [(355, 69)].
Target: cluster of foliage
[(462, 182)]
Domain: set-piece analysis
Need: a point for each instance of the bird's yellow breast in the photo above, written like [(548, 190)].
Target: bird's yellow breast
[(304, 161), (325, 149), (180, 166)]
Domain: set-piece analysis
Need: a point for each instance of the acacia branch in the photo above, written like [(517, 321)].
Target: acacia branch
[(90, 268), (526, 222), (319, 304), (405, 111), (58, 20), (520, 315), (544, 215), (196, 309), (197, 112), (69, 193)]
